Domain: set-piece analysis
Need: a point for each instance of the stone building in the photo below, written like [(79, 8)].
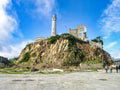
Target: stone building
[(39, 39), (79, 32)]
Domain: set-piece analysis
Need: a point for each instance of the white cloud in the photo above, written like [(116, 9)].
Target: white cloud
[(11, 51), (110, 45), (111, 18), (8, 23), (115, 53), (110, 25), (38, 7), (44, 7), (8, 26)]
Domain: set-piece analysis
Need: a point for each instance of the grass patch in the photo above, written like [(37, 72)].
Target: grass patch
[(91, 62), (24, 71), (12, 71), (93, 69), (44, 72)]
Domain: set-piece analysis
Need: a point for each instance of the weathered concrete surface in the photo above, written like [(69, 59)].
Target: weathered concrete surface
[(70, 81)]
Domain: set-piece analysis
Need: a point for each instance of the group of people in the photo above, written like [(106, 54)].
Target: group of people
[(109, 67)]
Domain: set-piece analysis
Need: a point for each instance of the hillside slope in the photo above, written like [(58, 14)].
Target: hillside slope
[(62, 51)]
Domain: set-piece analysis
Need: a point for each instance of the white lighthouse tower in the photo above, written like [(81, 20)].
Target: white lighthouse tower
[(53, 31)]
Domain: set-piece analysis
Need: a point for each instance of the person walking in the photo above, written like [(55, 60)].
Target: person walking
[(117, 68), (106, 68), (110, 67)]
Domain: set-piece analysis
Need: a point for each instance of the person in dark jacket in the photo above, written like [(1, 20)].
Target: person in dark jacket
[(117, 68)]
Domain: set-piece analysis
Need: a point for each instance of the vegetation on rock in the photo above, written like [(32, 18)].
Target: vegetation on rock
[(98, 39), (4, 62), (26, 57), (53, 39)]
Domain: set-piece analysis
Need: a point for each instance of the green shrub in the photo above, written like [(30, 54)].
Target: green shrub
[(53, 39), (4, 60), (74, 58), (97, 61), (26, 57), (98, 39), (71, 39), (12, 61)]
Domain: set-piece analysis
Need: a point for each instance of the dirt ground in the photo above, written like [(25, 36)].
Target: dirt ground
[(86, 80)]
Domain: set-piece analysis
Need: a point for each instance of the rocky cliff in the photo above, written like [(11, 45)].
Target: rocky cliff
[(62, 51)]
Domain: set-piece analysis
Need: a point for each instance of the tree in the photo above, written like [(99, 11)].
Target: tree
[(98, 39)]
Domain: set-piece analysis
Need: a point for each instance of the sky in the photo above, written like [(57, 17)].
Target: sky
[(22, 21)]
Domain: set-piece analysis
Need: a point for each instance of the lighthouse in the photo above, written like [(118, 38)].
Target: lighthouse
[(53, 31)]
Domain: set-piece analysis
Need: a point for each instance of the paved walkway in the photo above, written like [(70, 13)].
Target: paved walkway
[(70, 81)]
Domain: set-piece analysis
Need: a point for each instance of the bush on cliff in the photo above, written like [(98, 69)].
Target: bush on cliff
[(26, 57), (98, 39), (53, 39)]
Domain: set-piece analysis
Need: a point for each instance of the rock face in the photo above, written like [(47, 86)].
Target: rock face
[(63, 51)]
